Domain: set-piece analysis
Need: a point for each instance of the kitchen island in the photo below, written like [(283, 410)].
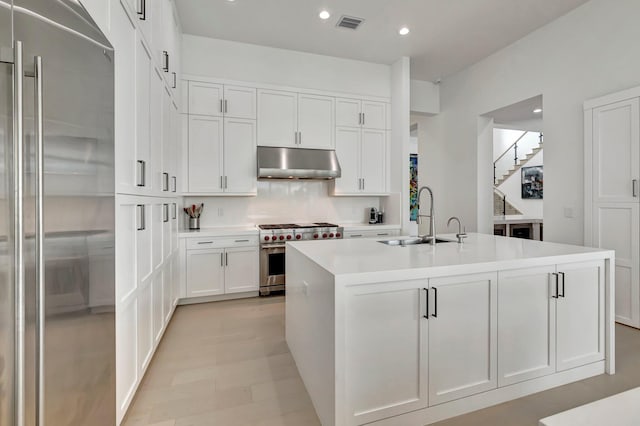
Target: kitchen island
[(410, 335)]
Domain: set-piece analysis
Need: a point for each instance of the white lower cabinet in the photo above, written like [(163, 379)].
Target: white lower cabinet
[(377, 233), (221, 266), (462, 336), (386, 350)]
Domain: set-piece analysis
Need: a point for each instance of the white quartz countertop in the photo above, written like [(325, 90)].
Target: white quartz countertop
[(500, 220), (370, 227), (370, 259), (220, 231)]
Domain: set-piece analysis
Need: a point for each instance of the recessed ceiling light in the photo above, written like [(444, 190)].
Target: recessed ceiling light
[(324, 15), (403, 31), (537, 110)]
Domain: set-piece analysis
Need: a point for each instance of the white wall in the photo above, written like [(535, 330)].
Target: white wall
[(425, 97), (281, 201), (587, 53), (248, 62), (512, 188)]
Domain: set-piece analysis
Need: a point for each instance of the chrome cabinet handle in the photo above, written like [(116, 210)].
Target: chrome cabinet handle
[(363, 118), (174, 210), (175, 80), (40, 266), (556, 277), (19, 261), (174, 181), (221, 106), (221, 187), (143, 10), (225, 182), (226, 104), (165, 67), (165, 213), (142, 173), (299, 138), (435, 302), (426, 291), (141, 218), (226, 259), (222, 260), (205, 242), (165, 181), (563, 289), (242, 241), (634, 188), (363, 184)]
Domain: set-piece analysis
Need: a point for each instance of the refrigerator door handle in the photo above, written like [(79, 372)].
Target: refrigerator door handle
[(40, 266), (18, 223)]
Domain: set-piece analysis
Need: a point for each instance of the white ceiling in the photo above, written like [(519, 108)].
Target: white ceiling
[(518, 112), (446, 35)]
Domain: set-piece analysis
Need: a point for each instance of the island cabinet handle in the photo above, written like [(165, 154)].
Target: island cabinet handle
[(435, 302), (555, 296), (426, 292), (563, 293)]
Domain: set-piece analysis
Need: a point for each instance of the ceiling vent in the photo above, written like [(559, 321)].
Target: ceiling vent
[(350, 22)]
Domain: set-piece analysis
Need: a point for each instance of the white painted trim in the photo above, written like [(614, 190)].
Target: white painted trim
[(217, 298), (612, 98), (214, 80)]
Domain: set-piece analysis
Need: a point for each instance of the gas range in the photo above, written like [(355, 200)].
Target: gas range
[(281, 233)]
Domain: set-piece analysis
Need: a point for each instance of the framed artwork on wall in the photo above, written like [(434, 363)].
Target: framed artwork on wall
[(532, 182), (413, 187)]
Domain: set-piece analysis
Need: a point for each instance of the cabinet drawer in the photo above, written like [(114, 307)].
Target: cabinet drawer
[(203, 243)]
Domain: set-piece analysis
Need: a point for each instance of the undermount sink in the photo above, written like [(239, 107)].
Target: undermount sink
[(411, 242)]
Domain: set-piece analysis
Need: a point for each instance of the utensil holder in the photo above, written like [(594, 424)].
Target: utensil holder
[(194, 223)]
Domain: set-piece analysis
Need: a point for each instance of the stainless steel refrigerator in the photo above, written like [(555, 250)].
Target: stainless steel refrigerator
[(57, 263)]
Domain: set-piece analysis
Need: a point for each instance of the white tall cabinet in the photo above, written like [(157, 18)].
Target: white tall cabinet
[(612, 174)]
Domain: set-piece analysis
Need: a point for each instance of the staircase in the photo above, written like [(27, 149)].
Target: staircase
[(518, 163), (501, 207)]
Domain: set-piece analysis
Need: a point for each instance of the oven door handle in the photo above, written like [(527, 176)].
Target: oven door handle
[(273, 247)]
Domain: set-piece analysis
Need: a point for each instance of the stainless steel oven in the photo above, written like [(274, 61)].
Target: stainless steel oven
[(272, 268)]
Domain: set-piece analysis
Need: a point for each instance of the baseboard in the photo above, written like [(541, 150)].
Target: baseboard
[(218, 298)]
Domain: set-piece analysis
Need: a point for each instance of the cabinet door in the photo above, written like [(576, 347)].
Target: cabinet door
[(205, 272), (143, 119), (348, 153), (241, 270), (167, 249), (125, 43), (168, 141), (240, 102), (145, 324), (167, 304), (580, 314), (526, 324), (277, 118), (462, 336), (156, 170), (205, 99), (157, 234), (205, 154), (616, 152), (156, 308), (373, 163), (385, 349), (175, 279), (348, 112), (144, 12), (144, 246), (316, 121), (374, 115), (240, 156), (616, 226), (158, 30)]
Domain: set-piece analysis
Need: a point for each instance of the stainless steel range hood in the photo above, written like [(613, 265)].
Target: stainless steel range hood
[(297, 163)]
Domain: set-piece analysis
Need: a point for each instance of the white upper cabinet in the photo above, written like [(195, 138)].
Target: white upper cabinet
[(239, 102), (362, 157), (143, 99), (372, 169), (205, 154), (240, 156), (348, 151), (277, 118), (358, 113), (205, 99), (316, 128), (616, 152)]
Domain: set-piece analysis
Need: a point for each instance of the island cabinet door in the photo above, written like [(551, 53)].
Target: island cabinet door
[(462, 336), (385, 350), (580, 314), (526, 324)]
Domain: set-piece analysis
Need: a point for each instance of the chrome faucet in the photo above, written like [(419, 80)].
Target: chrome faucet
[(432, 221), (462, 233)]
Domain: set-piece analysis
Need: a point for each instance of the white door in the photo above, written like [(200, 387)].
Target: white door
[(348, 153), (158, 30), (241, 269), (143, 80), (374, 115), (168, 141), (580, 314), (526, 324), (240, 102), (316, 121), (205, 272), (205, 154), (616, 226), (144, 12), (167, 304), (240, 176), (124, 41), (462, 336), (348, 112), (167, 249), (175, 280), (616, 152), (158, 126), (144, 246), (157, 234), (205, 99), (386, 338), (277, 118), (156, 307), (145, 324), (373, 163)]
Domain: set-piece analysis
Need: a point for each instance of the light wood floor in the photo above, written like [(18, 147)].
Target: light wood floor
[(227, 363)]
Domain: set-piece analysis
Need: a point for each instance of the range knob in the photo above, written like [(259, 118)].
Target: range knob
[(281, 237), (288, 237), (298, 236), (324, 235), (338, 235), (315, 236), (266, 238), (331, 235)]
